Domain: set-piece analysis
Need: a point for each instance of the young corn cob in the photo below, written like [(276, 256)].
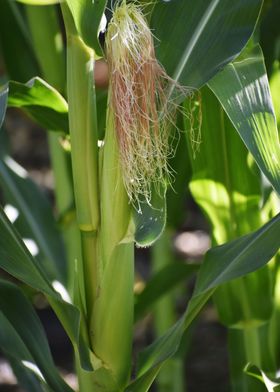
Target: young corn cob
[(141, 102)]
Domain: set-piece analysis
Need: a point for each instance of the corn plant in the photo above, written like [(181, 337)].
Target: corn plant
[(188, 104)]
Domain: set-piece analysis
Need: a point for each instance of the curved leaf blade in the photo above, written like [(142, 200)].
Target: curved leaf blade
[(36, 215), (40, 101), (244, 255), (191, 32), (239, 257), (272, 385), (21, 315), (243, 90), (25, 377), (17, 261), (14, 348)]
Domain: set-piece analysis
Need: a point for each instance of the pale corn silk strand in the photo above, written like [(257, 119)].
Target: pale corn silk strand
[(143, 110)]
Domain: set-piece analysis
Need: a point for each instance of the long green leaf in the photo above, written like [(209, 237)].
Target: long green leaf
[(39, 2), (3, 104), (20, 314), (243, 90), (239, 257), (36, 215), (12, 345), (16, 260), (25, 377), (259, 247), (16, 47), (40, 101), (197, 39), (226, 187)]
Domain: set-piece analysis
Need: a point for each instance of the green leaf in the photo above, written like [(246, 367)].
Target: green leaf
[(199, 38), (223, 182), (3, 105), (13, 347), (40, 101), (39, 2), (87, 15), (272, 384), (176, 193), (274, 83), (244, 255), (161, 283), (270, 33), (22, 335), (243, 90), (228, 190), (25, 377), (16, 47), (239, 257), (17, 261), (36, 217)]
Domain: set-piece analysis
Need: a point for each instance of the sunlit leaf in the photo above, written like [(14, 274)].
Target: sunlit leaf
[(229, 191), (244, 255), (40, 101), (243, 90)]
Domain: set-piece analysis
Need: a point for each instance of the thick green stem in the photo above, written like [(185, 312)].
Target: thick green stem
[(48, 45), (252, 345), (112, 318), (84, 151), (83, 131), (91, 273), (103, 221)]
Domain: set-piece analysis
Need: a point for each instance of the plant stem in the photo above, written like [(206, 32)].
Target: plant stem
[(84, 151), (48, 45), (103, 214), (112, 319), (252, 345)]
